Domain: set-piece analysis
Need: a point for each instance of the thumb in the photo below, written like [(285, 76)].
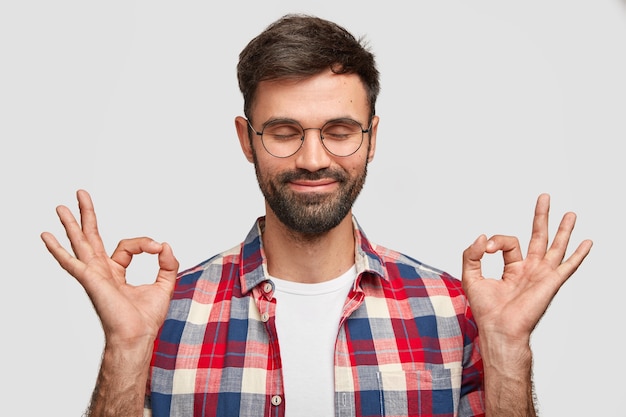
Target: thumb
[(168, 266)]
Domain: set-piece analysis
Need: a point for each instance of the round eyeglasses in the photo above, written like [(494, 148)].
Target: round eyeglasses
[(282, 138)]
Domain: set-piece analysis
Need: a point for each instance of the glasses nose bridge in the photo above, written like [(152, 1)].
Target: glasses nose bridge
[(312, 128), (320, 137)]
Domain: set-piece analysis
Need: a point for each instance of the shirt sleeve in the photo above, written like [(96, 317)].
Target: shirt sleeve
[(472, 402)]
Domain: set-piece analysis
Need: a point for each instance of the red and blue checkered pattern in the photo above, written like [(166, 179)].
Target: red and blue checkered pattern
[(407, 343)]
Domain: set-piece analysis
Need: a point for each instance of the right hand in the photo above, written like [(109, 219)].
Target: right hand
[(130, 315)]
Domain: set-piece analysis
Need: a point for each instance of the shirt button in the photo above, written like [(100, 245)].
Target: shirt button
[(265, 317), (276, 400), (267, 287)]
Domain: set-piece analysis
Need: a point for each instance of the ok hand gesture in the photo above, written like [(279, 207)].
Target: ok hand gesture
[(512, 306), (129, 314)]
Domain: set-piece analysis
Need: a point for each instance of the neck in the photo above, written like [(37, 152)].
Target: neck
[(303, 258)]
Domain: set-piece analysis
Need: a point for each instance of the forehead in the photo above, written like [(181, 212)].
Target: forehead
[(315, 99)]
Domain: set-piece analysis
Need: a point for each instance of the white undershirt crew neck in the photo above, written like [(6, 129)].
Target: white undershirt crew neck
[(307, 322)]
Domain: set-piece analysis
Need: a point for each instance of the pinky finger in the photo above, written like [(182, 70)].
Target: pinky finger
[(62, 256), (571, 264)]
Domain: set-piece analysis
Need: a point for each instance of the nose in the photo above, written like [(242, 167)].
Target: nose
[(312, 156)]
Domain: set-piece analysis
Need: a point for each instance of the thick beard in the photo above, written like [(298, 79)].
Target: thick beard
[(311, 214)]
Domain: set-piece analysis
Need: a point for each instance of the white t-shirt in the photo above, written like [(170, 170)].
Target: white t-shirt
[(307, 322)]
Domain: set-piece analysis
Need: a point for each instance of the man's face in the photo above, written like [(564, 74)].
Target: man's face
[(311, 191)]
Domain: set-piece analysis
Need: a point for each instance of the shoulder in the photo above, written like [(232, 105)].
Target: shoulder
[(402, 266), (211, 270), (408, 277), (392, 265)]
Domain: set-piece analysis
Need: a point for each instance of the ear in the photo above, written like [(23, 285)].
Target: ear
[(241, 124), (372, 136)]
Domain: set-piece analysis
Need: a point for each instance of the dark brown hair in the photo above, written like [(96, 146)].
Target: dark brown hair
[(298, 46)]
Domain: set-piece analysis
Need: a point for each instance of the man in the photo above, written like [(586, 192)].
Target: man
[(307, 317)]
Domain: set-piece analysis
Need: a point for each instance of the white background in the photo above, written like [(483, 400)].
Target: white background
[(484, 105)]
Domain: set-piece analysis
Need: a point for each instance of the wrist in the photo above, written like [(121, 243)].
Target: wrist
[(508, 355), (128, 362), (501, 343), (127, 355)]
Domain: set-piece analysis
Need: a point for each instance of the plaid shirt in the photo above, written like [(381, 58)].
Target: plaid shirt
[(406, 346)]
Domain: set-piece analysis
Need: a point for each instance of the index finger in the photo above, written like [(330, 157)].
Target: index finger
[(127, 248)]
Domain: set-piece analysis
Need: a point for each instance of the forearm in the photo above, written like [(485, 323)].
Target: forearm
[(508, 378), (121, 384)]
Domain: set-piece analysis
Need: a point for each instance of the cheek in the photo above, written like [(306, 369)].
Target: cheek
[(358, 164), (267, 166)]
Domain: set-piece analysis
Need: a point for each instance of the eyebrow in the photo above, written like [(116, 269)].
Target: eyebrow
[(290, 120)]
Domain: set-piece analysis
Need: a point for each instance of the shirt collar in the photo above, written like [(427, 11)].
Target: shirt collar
[(253, 266)]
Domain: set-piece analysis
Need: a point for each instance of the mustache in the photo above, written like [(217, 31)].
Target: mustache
[(303, 174)]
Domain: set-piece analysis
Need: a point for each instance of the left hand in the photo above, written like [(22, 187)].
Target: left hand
[(512, 306)]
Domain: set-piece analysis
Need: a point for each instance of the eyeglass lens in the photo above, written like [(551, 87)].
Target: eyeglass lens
[(284, 138)]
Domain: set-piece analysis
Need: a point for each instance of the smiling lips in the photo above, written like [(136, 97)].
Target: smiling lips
[(323, 184)]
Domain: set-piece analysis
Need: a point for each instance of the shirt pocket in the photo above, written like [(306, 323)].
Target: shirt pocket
[(424, 392)]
